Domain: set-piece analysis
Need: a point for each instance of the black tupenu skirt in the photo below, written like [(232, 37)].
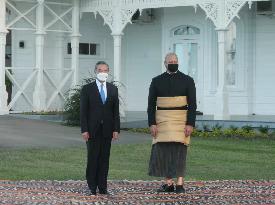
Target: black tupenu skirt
[(168, 159)]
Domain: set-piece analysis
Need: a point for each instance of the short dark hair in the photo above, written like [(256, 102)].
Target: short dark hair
[(101, 63), (169, 55)]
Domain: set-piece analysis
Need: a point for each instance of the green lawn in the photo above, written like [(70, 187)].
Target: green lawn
[(208, 159)]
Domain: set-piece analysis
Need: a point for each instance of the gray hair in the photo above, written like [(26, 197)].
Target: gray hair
[(101, 63), (168, 55)]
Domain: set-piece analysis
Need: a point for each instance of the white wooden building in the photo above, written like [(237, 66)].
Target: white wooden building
[(227, 46)]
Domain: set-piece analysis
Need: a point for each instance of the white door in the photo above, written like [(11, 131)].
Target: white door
[(188, 52)]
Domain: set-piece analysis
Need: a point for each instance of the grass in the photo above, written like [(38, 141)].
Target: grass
[(208, 159)]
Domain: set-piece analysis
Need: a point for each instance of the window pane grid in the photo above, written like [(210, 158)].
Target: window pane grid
[(86, 49)]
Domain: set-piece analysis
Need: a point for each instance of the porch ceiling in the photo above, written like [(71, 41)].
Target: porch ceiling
[(221, 12)]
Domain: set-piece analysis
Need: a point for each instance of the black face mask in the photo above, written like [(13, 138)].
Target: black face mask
[(172, 68)]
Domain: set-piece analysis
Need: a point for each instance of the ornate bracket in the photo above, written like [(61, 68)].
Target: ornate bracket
[(118, 13), (222, 12), (211, 9), (232, 10), (117, 18)]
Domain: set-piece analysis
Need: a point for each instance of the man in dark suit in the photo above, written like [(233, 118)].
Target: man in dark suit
[(100, 123)]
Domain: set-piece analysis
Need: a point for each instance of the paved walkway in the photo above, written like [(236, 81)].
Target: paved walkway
[(16, 132)]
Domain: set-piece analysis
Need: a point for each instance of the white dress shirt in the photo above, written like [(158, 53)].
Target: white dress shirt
[(98, 83)]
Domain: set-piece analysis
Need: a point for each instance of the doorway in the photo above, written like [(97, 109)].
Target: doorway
[(185, 43)]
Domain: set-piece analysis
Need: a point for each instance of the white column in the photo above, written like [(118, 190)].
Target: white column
[(59, 64), (117, 57), (117, 71), (117, 35), (3, 33), (75, 42), (39, 95), (221, 112)]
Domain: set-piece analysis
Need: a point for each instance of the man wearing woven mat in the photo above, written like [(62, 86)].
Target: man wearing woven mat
[(171, 118)]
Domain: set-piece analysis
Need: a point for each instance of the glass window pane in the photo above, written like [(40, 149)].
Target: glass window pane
[(187, 30), (94, 49), (179, 50), (69, 48), (188, 58), (84, 48), (180, 31), (193, 61)]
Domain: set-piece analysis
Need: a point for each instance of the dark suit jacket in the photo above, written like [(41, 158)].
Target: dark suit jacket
[(93, 112)]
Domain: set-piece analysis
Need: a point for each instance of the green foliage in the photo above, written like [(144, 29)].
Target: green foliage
[(264, 129), (197, 128), (138, 130), (247, 128), (232, 133), (72, 103), (206, 128), (217, 127), (72, 106), (234, 128), (8, 82)]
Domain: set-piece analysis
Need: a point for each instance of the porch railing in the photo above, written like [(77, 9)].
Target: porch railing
[(56, 82)]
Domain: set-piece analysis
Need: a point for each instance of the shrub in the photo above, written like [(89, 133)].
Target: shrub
[(229, 133), (245, 134), (217, 127), (219, 133), (272, 135), (72, 106), (232, 127), (142, 130), (247, 128), (206, 128), (197, 128), (263, 129)]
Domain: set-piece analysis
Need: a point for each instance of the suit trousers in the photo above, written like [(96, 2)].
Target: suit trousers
[(98, 151)]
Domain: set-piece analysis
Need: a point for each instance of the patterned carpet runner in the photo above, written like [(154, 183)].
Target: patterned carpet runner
[(137, 192)]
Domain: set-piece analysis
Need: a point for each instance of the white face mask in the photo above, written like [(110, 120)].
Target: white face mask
[(102, 77)]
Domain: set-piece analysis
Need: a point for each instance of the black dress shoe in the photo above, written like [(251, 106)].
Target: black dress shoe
[(166, 188), (103, 191), (91, 193), (180, 189)]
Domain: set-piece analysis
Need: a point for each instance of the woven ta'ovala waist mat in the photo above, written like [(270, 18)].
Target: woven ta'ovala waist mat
[(171, 123)]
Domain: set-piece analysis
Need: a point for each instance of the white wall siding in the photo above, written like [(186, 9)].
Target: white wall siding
[(142, 60), (23, 58), (93, 30), (240, 95), (265, 66)]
